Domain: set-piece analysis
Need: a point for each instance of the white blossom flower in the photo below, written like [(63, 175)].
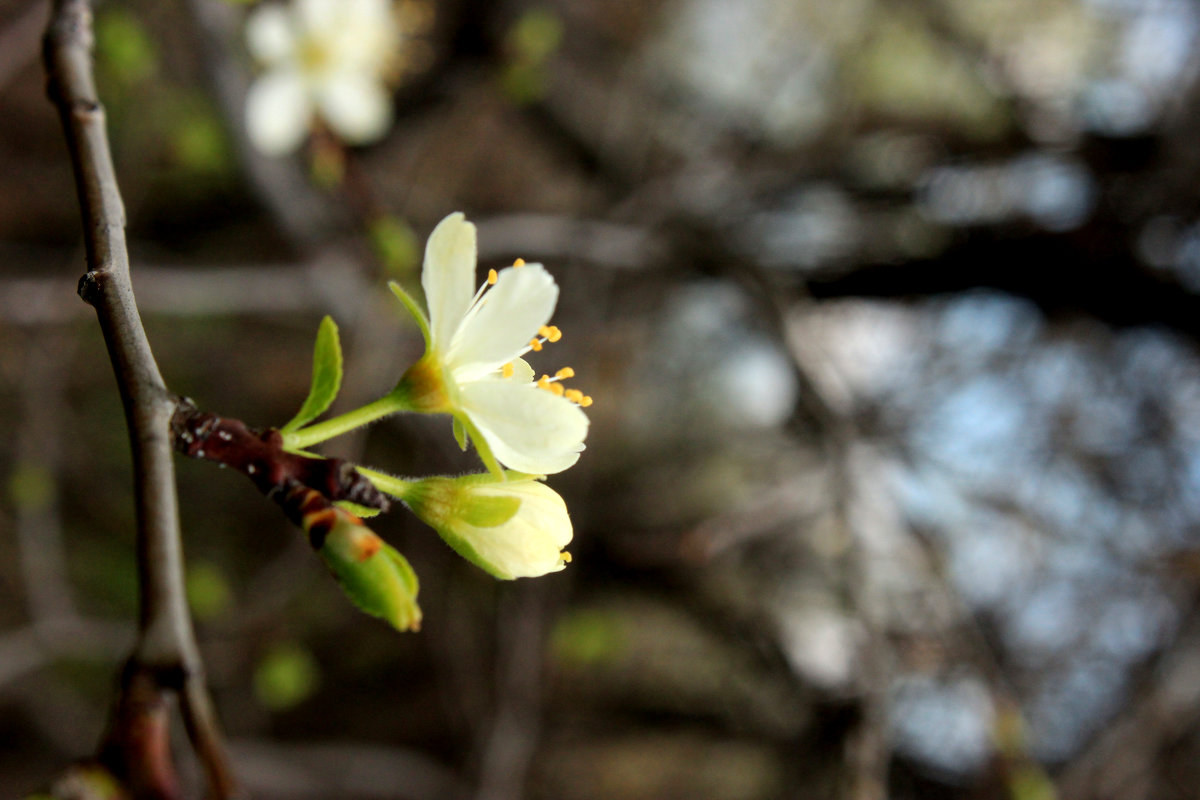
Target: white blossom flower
[(513, 527), (472, 367), (322, 57)]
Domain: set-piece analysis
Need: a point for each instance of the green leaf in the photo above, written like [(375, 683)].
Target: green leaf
[(326, 376)]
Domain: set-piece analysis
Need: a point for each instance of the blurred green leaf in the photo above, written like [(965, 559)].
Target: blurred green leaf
[(535, 35), (1030, 782), (397, 246), (326, 376), (286, 676), (588, 636), (198, 142), (531, 40), (208, 592), (523, 83), (31, 487), (124, 47)]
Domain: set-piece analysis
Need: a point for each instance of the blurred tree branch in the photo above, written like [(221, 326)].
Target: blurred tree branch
[(165, 659)]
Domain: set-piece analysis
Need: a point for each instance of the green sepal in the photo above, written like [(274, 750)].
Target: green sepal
[(488, 512), (481, 447), (366, 512), (326, 376), (381, 584), (460, 434), (414, 309)]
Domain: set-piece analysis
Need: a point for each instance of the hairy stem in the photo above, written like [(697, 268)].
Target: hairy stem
[(166, 648), (315, 434)]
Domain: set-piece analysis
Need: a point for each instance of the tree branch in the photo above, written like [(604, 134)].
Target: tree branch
[(166, 657)]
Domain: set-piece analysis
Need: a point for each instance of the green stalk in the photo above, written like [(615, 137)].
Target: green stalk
[(390, 484), (315, 434)]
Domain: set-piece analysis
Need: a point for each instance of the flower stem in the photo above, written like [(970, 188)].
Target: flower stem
[(315, 434), (388, 484)]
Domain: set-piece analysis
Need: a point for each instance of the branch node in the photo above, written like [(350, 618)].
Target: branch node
[(89, 288), (83, 109)]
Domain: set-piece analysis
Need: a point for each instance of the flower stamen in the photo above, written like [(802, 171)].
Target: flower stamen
[(554, 386)]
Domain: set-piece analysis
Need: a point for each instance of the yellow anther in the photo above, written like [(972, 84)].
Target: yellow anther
[(574, 395), (544, 382), (557, 389), (565, 372), (535, 345), (520, 262), (564, 557), (493, 276), (554, 334), (507, 370), (586, 401), (544, 331)]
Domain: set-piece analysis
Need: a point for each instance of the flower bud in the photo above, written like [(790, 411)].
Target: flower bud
[(513, 528), (372, 573)]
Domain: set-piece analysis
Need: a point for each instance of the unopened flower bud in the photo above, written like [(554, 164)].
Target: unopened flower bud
[(514, 528)]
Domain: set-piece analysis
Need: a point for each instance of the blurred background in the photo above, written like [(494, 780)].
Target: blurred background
[(890, 313)]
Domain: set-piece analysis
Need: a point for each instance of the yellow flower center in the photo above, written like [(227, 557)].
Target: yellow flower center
[(314, 55)]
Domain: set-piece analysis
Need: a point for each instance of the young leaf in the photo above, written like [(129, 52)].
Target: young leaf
[(326, 376)]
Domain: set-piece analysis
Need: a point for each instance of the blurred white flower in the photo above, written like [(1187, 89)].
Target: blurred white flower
[(326, 58), (472, 367)]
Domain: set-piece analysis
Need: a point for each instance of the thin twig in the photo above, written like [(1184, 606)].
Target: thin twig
[(165, 657)]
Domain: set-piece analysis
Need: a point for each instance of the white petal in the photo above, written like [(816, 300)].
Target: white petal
[(530, 543), (522, 301), (528, 429), (542, 508), (317, 16), (356, 106), (448, 276), (270, 35), (278, 112), (522, 372)]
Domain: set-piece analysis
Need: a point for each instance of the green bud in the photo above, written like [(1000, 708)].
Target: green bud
[(372, 573)]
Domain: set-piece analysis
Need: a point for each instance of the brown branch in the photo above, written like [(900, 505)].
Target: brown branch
[(165, 658), (259, 455)]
